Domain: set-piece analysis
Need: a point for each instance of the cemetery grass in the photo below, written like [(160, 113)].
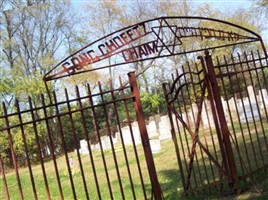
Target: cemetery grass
[(165, 163), (166, 166)]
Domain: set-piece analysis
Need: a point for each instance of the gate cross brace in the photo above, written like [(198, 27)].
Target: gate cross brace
[(196, 140)]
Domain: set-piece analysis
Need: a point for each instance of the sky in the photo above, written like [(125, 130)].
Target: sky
[(215, 3), (218, 4)]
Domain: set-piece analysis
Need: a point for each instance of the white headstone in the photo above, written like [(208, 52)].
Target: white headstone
[(115, 139), (192, 114), (105, 142), (185, 118), (83, 147), (136, 133), (95, 146), (251, 94), (224, 105), (207, 116), (152, 129), (231, 103), (176, 123), (126, 135), (165, 128), (249, 111), (155, 145)]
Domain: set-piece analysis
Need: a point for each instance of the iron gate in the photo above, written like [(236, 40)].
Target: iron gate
[(63, 169), (218, 114), (217, 111)]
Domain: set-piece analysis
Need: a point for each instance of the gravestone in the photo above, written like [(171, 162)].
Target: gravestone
[(115, 138), (105, 142), (185, 118), (248, 112), (83, 147), (224, 105), (251, 94), (95, 146), (207, 116), (155, 145), (263, 98), (126, 135), (231, 103), (165, 128), (136, 132), (176, 123), (152, 129), (192, 114), (157, 120), (151, 118)]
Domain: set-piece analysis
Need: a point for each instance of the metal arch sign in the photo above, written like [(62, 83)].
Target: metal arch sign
[(160, 37)]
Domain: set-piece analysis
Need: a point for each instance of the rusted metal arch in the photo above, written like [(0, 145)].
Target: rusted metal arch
[(48, 77)]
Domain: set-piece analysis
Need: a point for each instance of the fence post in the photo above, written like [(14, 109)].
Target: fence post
[(144, 136), (174, 137), (3, 173), (225, 134)]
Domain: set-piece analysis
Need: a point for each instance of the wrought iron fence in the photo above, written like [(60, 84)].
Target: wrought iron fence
[(78, 147), (218, 113)]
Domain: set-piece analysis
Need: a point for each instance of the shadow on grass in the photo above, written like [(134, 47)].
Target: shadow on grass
[(172, 188), (255, 186), (171, 184)]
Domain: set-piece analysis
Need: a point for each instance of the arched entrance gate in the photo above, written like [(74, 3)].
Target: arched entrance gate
[(216, 107)]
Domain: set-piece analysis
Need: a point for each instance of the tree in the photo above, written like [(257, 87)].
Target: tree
[(262, 4), (102, 18), (32, 34)]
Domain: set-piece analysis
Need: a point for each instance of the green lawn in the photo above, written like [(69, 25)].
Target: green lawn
[(168, 176), (166, 166)]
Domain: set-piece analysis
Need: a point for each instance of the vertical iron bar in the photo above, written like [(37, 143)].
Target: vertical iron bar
[(174, 138), (132, 137), (76, 142), (144, 135), (193, 148), (203, 98), (244, 110), (87, 138), (52, 150), (39, 147), (215, 118), (14, 160), (26, 149), (223, 123), (258, 80), (195, 140), (209, 120), (254, 62), (96, 124), (184, 129), (263, 75), (121, 135), (111, 141), (178, 126), (64, 145), (229, 112), (210, 135), (250, 100), (2, 170), (236, 108)]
